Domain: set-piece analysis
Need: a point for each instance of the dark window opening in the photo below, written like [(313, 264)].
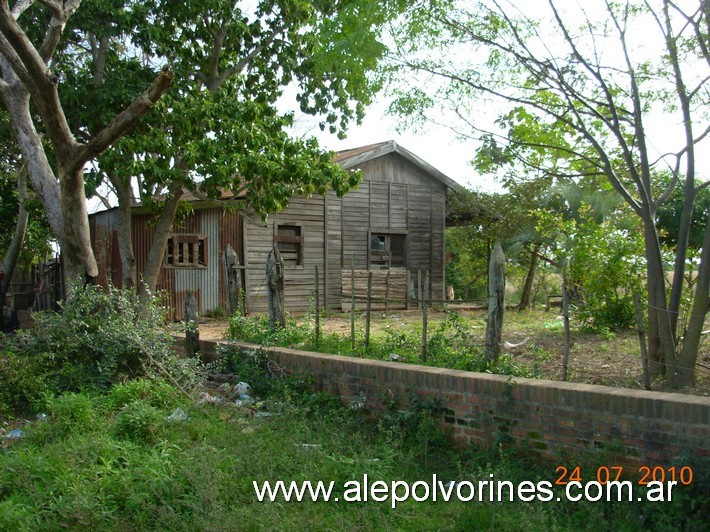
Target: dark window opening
[(289, 239), (388, 250)]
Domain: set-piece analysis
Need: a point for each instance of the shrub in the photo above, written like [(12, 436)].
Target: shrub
[(104, 337), (139, 422), (72, 413), (23, 381), (158, 394)]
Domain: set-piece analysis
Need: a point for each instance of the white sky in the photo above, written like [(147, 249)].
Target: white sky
[(440, 146)]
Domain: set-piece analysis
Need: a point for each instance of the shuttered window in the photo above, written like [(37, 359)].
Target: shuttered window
[(186, 251), (289, 239)]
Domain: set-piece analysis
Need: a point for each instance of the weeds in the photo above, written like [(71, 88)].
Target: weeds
[(106, 462), (451, 343)]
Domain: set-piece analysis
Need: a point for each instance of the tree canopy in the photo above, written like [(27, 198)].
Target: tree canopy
[(579, 91), (219, 126)]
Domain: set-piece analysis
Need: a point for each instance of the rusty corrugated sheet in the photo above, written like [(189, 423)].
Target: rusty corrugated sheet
[(230, 233), (220, 226)]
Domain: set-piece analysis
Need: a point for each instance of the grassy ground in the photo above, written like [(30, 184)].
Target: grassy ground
[(115, 462), (455, 339)]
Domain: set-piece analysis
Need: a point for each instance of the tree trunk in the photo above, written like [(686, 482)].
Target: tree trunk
[(661, 347), (149, 278), (686, 217), (17, 103), (685, 370), (79, 261), (125, 232), (529, 280), (9, 262), (275, 288), (496, 302)]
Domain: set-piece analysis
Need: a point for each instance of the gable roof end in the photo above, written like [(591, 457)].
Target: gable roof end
[(352, 158)]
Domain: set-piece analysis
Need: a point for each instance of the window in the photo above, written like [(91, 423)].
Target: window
[(289, 239), (388, 250), (186, 251)]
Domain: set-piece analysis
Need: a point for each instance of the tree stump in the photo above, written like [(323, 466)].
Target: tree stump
[(233, 277), (275, 288), (192, 329), (496, 302)]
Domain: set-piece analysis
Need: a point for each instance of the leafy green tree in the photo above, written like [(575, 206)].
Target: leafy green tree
[(584, 91), (220, 126), (30, 35)]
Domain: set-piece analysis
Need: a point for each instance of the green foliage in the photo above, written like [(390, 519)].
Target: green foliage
[(139, 422), (23, 381), (232, 64), (35, 245), (100, 338), (126, 468), (156, 393), (450, 344), (669, 216), (72, 413)]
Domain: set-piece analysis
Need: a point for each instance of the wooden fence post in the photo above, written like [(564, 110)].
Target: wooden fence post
[(496, 302), (233, 280), (387, 291), (317, 308), (425, 316), (565, 321), (369, 308), (352, 303), (275, 288), (192, 329)]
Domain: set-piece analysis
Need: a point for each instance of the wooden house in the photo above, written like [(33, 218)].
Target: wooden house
[(392, 224)]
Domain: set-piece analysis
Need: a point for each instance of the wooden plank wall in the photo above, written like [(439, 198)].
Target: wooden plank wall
[(397, 196), (397, 289), (299, 280)]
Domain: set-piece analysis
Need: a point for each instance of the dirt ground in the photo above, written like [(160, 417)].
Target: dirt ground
[(613, 361)]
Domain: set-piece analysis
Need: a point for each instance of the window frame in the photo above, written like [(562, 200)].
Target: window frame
[(201, 254), (298, 239), (388, 234)]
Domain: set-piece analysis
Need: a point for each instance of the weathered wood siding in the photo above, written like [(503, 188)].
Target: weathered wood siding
[(309, 213), (396, 197), (396, 295)]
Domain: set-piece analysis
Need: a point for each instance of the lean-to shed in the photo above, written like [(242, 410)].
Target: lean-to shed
[(392, 224)]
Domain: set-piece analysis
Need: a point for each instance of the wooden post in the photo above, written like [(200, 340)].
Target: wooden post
[(496, 302), (192, 329), (419, 288), (369, 308), (387, 291), (275, 288), (642, 342), (317, 308), (565, 321), (233, 280), (352, 303), (425, 316), (410, 289)]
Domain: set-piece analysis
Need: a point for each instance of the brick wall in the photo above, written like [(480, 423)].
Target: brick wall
[(559, 420)]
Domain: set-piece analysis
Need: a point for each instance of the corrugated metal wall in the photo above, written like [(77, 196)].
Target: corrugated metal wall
[(219, 226)]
